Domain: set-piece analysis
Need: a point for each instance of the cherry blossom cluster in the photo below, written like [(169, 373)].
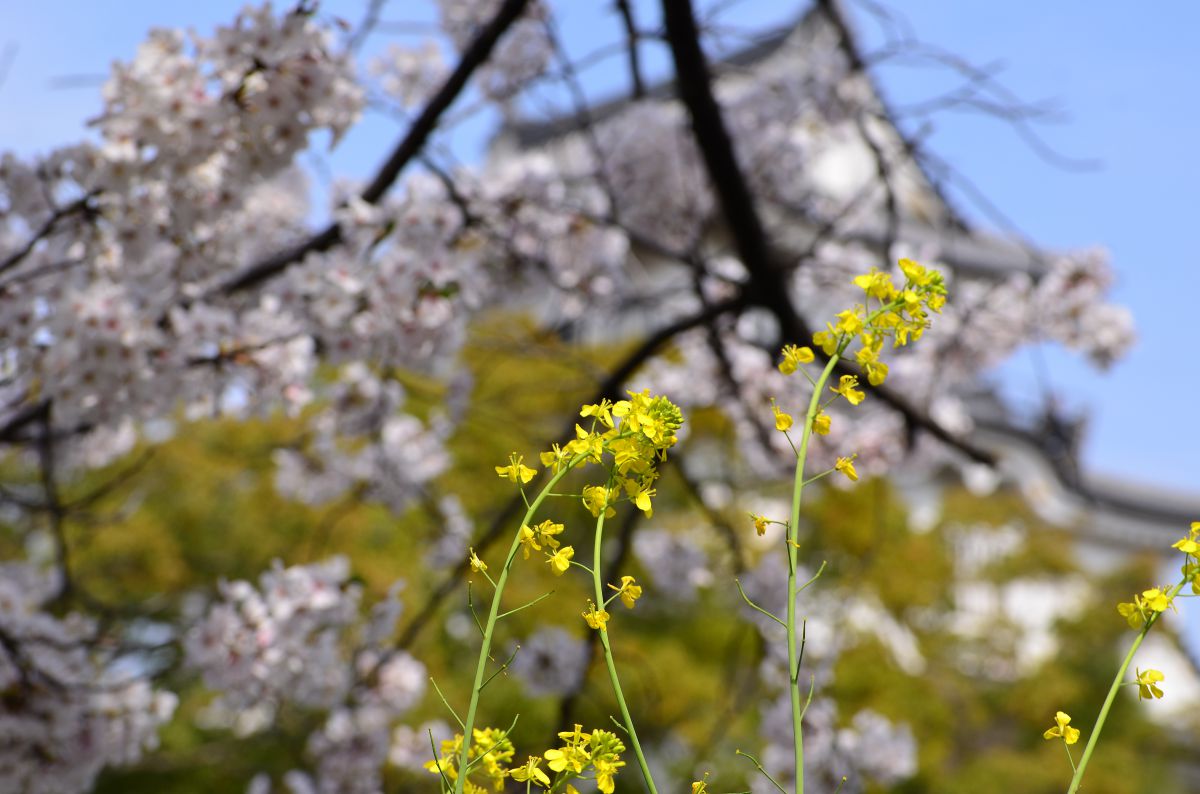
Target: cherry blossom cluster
[(870, 750), (115, 246), (72, 705), (298, 639)]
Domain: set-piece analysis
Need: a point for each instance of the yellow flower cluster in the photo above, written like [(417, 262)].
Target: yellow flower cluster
[(599, 750), (1190, 546), (491, 753), (636, 433), (1145, 606), (901, 314), (1153, 602), (542, 538)]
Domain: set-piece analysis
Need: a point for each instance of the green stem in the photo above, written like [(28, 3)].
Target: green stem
[(489, 628), (793, 539), (1118, 680), (611, 663)]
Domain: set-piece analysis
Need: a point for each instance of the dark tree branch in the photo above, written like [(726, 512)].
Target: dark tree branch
[(80, 205), (694, 85), (767, 286), (631, 44)]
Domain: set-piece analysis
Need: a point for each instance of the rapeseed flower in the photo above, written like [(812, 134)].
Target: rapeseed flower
[(1148, 684), (1062, 727)]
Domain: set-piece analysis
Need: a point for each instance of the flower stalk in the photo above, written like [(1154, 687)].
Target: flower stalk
[(611, 664), (1118, 682), (493, 617)]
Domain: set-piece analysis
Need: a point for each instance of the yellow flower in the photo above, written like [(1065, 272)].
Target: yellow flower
[(545, 532), (596, 618), (515, 470), (868, 359), (1062, 727), (1189, 545), (477, 565), (605, 772), (542, 535), (629, 591), (603, 412), (876, 285), (528, 541), (917, 274), (1157, 598), (560, 560), (1132, 613), (793, 357), (782, 421), (574, 755), (640, 495), (846, 466), (826, 340), (849, 322), (1148, 684), (555, 457), (1191, 573), (701, 786), (848, 388), (760, 524), (530, 772), (586, 443), (596, 498), (821, 424), (606, 759)]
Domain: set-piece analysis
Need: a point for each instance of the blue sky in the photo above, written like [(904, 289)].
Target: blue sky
[(1125, 78)]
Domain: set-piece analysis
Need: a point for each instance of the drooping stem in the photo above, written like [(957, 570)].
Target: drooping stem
[(493, 616), (1118, 680), (611, 663)]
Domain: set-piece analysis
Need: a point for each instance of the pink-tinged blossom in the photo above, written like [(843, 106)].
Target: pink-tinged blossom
[(72, 709), (281, 641)]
